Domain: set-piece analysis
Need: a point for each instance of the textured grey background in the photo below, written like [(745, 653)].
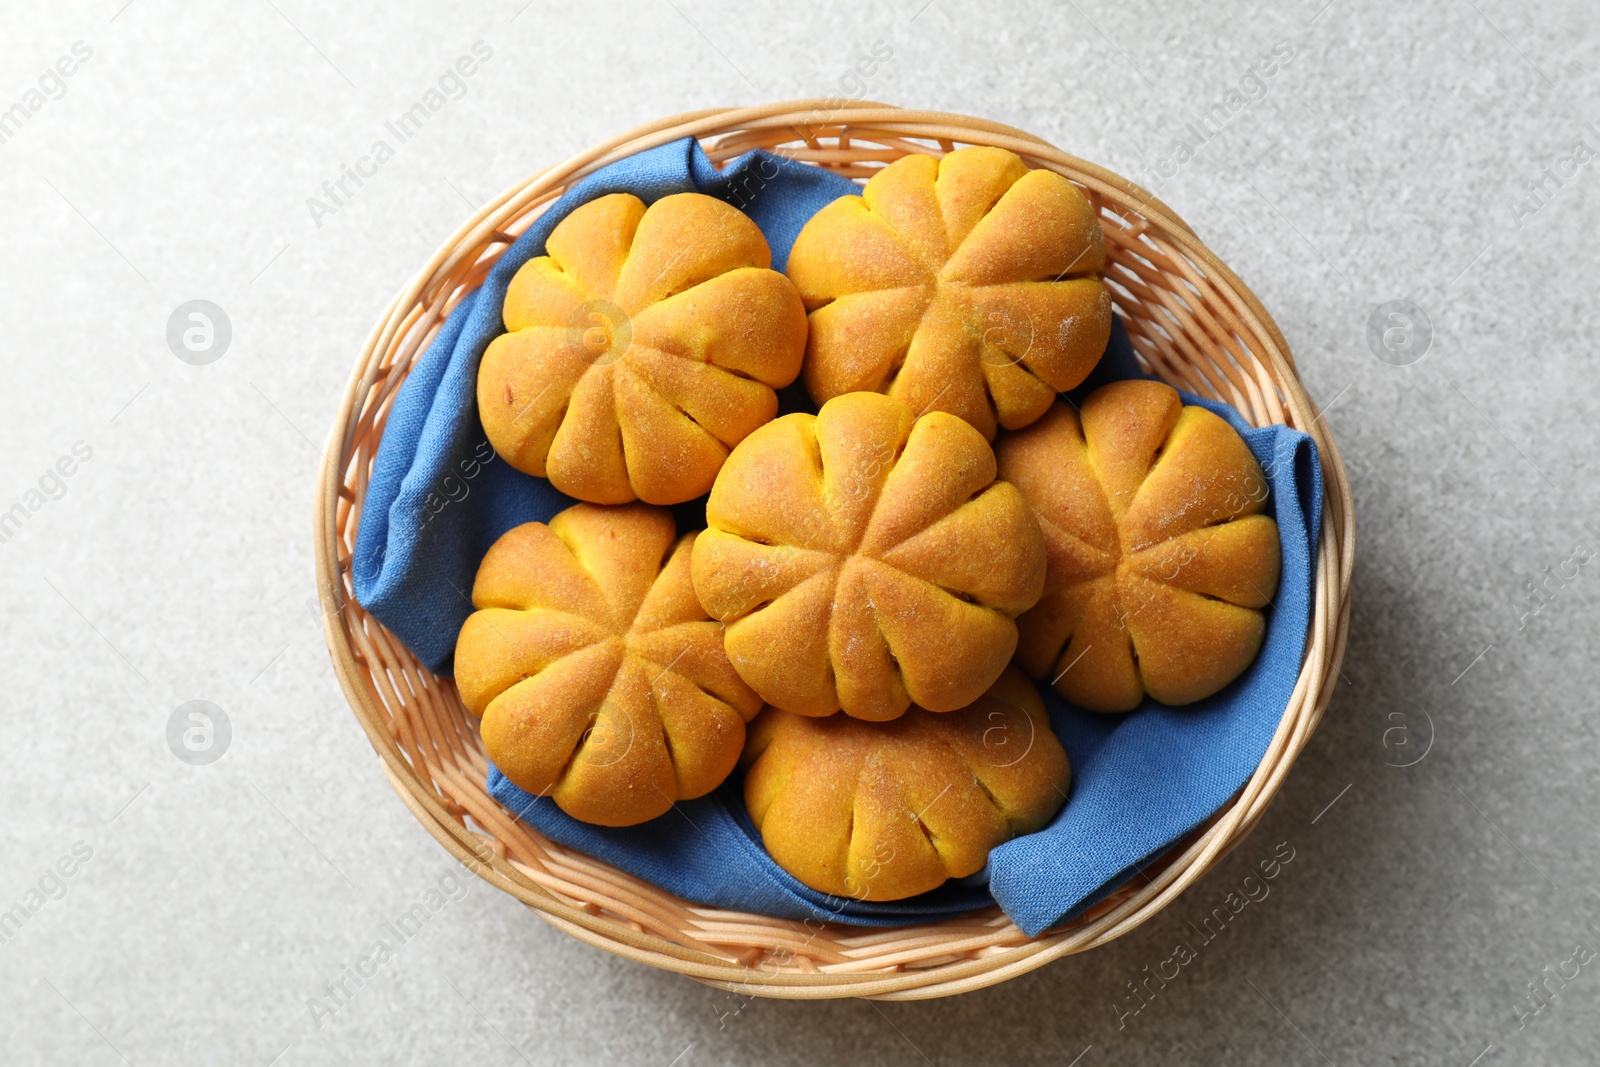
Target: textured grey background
[(1385, 160)]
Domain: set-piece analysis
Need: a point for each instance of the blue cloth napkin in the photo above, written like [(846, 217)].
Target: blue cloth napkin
[(438, 498)]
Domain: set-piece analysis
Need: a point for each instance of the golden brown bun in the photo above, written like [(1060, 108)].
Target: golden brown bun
[(966, 285), (865, 559), (1160, 557), (882, 811), (643, 346), (599, 679)]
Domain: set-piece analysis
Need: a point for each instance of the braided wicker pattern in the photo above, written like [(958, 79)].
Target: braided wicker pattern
[(1192, 322)]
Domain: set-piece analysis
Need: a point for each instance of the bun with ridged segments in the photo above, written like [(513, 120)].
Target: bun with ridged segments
[(1161, 557), (643, 346), (599, 679), (968, 284), (865, 559), (883, 811)]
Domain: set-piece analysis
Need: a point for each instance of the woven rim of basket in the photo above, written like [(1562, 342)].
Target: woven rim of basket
[(1192, 323)]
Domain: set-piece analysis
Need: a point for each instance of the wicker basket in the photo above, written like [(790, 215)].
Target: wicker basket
[(1192, 322)]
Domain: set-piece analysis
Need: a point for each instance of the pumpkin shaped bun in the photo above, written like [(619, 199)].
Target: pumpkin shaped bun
[(599, 679), (865, 559), (1161, 559), (967, 284), (883, 811), (644, 344)]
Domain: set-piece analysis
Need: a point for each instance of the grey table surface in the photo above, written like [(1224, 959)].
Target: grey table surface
[(1442, 821)]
